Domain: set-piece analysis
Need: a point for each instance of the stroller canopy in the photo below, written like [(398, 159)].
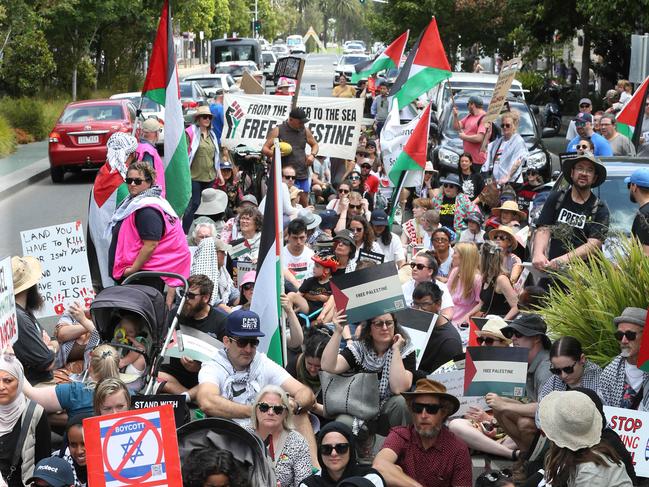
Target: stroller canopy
[(245, 447), (146, 301)]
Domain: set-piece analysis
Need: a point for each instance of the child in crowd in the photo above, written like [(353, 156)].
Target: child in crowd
[(129, 332), (474, 232), (316, 290)]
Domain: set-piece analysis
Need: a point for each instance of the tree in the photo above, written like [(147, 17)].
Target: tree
[(20, 73)]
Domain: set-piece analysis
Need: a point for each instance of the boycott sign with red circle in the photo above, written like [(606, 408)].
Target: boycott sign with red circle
[(133, 447)]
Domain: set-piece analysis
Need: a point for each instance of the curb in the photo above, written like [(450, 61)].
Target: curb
[(24, 177)]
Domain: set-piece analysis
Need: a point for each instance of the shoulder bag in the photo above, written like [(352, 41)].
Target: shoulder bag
[(356, 395)]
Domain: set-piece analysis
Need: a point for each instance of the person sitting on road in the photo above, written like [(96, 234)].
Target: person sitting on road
[(426, 452), (505, 237), (363, 236), (497, 295), (452, 204), (508, 214), (442, 239), (465, 282), (413, 232), (531, 186), (317, 289), (210, 259), (389, 242), (272, 421), (77, 337), (584, 126), (111, 396), (74, 449), (232, 228), (213, 467), (354, 205), (474, 232), (229, 384), (248, 230)]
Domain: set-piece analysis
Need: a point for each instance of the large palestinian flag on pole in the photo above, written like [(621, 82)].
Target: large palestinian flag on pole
[(268, 287), (413, 156), (388, 59), (161, 86), (629, 120), (425, 67)]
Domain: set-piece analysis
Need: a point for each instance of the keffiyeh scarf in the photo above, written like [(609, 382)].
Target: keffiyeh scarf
[(119, 147), (246, 380)]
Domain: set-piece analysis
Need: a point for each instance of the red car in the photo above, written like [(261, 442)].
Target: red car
[(79, 137)]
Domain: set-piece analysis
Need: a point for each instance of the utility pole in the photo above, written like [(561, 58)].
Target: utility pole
[(256, 34)]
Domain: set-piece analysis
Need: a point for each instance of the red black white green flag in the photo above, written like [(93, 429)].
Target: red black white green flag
[(629, 120), (388, 59)]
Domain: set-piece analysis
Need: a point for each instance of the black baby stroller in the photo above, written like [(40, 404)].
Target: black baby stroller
[(149, 304), (245, 446)]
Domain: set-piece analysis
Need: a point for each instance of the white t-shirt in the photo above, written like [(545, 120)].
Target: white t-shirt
[(301, 266), (394, 251), (409, 287), (634, 376), (375, 248)]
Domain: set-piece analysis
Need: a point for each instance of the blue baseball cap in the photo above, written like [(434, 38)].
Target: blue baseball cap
[(583, 117), (379, 217), (329, 219), (640, 177), (226, 165), (243, 323), (56, 471)]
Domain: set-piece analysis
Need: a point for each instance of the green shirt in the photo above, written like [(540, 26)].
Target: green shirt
[(202, 168)]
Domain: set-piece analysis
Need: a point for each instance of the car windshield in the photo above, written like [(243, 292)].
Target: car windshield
[(294, 41), (186, 90), (234, 70), (616, 195), (94, 113), (355, 46), (239, 52), (353, 59), (209, 82), (268, 57), (525, 125), (148, 106)]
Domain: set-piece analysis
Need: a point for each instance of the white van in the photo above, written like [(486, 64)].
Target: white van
[(476, 83), (295, 44)]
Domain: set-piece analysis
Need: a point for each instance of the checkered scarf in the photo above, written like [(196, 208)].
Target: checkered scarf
[(119, 147)]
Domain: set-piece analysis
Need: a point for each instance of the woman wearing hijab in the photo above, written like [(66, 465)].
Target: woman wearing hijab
[(17, 412), (337, 457)]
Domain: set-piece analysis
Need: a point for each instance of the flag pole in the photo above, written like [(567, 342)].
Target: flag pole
[(394, 200), (138, 113), (280, 212)]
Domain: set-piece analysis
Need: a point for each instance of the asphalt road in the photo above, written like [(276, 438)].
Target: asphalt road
[(44, 203)]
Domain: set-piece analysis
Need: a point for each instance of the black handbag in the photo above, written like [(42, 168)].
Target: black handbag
[(355, 394)]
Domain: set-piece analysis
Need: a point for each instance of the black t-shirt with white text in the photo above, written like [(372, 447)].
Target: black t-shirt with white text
[(447, 212), (572, 224)]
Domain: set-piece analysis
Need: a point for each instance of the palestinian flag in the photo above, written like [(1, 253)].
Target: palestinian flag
[(388, 59), (107, 193), (161, 86), (631, 116), (425, 67), (413, 157), (268, 287), (643, 354)]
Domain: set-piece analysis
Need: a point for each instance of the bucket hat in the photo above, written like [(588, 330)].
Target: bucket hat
[(26, 271), (635, 316), (570, 420), (527, 324), (427, 386), (213, 201), (311, 220), (451, 179), (505, 229), (249, 198), (151, 125), (348, 237), (600, 169)]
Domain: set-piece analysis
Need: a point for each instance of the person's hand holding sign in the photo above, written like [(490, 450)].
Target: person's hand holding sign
[(495, 402)]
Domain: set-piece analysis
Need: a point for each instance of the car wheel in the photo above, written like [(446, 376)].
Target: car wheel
[(57, 174)]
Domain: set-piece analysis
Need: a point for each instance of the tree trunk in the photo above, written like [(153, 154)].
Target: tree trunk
[(74, 83), (585, 65), (325, 36)]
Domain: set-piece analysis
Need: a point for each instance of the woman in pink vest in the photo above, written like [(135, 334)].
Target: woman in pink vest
[(147, 234)]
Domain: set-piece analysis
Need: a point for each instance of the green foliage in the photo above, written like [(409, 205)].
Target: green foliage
[(195, 15), (532, 81), (592, 293), (7, 138), (27, 63), (25, 114)]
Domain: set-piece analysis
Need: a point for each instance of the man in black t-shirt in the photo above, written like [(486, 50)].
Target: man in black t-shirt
[(638, 185), (181, 374), (574, 222)]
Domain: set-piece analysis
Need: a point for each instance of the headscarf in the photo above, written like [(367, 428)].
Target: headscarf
[(120, 146), (11, 413), (323, 479)]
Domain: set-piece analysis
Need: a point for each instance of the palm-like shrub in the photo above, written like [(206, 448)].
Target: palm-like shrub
[(593, 292)]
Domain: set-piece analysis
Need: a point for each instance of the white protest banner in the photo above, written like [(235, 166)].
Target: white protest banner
[(8, 323), (419, 326), (196, 345), (501, 90), (334, 122), (633, 429), (61, 249), (454, 382), (133, 448), (393, 137)]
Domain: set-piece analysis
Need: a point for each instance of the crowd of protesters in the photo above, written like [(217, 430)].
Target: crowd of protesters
[(463, 254)]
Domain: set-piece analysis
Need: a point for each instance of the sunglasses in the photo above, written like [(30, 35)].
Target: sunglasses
[(501, 237), (508, 333), (566, 370), (248, 286), (244, 342), (419, 267), (265, 407), (343, 191), (342, 242), (203, 117), (418, 408), (630, 335), (532, 172), (341, 449), (383, 324), (580, 124), (487, 341), (507, 125), (355, 178), (446, 185), (134, 181), (429, 172), (584, 105), (355, 207), (292, 178), (583, 147), (190, 295), (357, 230)]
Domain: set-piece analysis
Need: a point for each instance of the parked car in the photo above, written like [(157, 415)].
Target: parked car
[(295, 44), (236, 68), (446, 154), (268, 60), (149, 109), (354, 48), (78, 140), (192, 96), (345, 65), (234, 49), (212, 82), (280, 50)]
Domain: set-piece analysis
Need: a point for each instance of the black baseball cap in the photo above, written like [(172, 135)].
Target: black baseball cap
[(56, 471), (299, 114)]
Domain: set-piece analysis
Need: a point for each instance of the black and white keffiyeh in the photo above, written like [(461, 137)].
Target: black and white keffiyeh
[(119, 146)]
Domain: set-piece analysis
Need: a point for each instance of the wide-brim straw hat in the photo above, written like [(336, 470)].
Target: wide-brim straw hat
[(203, 110), (26, 271), (493, 328), (505, 229), (570, 420), (509, 206)]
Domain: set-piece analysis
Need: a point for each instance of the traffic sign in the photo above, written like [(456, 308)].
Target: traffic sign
[(133, 448)]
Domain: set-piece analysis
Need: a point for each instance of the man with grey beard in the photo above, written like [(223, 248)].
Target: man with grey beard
[(622, 384), (426, 453)]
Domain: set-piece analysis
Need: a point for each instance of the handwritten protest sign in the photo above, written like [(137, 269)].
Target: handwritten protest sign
[(633, 429), (61, 249), (196, 345), (334, 122), (8, 323), (501, 370), (454, 382), (369, 292), (419, 325), (504, 82), (133, 448)]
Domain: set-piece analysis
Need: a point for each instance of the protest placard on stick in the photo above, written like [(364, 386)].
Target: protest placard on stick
[(8, 323)]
